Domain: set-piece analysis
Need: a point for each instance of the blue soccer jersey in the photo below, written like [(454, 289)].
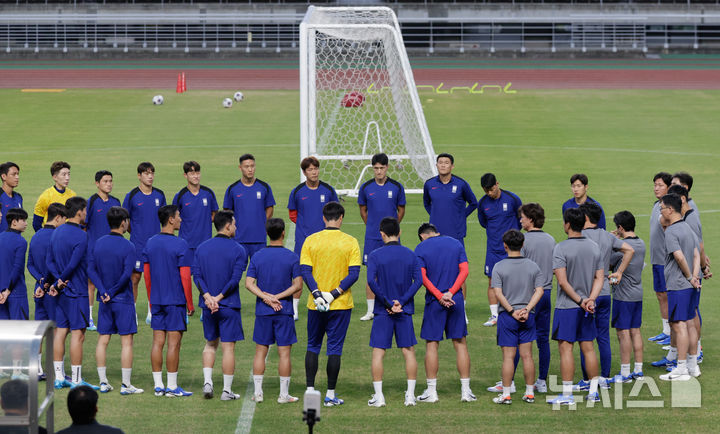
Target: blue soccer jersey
[(381, 201), (394, 273), (249, 203), (309, 204), (96, 220), (570, 203), (449, 205), (67, 259), (196, 212), (144, 220), (6, 204), (110, 267), (12, 263), (441, 257), (166, 253), (274, 268), (217, 269), (37, 254), (498, 216)]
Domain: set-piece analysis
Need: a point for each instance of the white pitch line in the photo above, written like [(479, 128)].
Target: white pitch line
[(244, 422)]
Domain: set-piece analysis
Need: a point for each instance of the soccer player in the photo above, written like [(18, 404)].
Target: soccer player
[(518, 285), (253, 203), (305, 206), (143, 203), (97, 222), (330, 264), (578, 267), (167, 260), (682, 277), (661, 183), (274, 277), (627, 300), (37, 262), (497, 213), (378, 198), (9, 198), (197, 205), (59, 192), (579, 187), (13, 292), (67, 263), (218, 266), (444, 269), (110, 266), (395, 275), (607, 243)]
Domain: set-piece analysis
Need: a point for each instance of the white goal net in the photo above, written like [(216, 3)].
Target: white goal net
[(358, 98)]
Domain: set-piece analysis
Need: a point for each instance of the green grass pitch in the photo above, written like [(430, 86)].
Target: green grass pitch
[(533, 141)]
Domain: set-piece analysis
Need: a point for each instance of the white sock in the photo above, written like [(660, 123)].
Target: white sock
[(258, 380), (296, 303), (284, 386), (330, 393), (625, 369), (692, 361), (594, 385), (567, 387), (102, 374), (227, 382), (464, 384), (672, 354), (371, 305), (157, 378), (411, 387), (126, 374), (431, 384), (638, 367), (506, 391), (59, 370), (377, 385), (530, 389), (494, 309), (172, 380), (666, 326), (682, 365), (540, 382), (76, 373), (207, 373)]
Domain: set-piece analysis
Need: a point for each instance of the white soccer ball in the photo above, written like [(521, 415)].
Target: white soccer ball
[(158, 99), (227, 103), (238, 96)]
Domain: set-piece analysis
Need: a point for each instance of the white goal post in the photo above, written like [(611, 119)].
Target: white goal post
[(358, 98)]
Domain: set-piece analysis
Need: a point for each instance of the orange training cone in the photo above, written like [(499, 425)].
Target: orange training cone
[(179, 88), (184, 87)]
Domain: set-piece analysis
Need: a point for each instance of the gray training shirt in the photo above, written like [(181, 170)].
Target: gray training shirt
[(678, 236), (517, 277), (630, 286), (607, 243), (581, 259), (692, 218), (538, 247), (657, 237)]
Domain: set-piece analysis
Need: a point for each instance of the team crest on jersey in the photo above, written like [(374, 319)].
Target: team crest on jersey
[(322, 198), (454, 189), (204, 201), (157, 202), (389, 194), (259, 195), (504, 207)]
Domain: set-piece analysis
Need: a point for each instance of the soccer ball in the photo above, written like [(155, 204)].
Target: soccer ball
[(353, 99), (158, 100), (238, 96), (227, 103)]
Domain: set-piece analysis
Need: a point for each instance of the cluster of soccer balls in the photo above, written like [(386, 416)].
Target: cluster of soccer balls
[(227, 102)]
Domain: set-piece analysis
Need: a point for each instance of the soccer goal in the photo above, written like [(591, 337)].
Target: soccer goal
[(358, 98)]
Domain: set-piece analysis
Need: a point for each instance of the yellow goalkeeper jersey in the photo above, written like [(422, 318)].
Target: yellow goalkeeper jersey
[(330, 252), (51, 195)]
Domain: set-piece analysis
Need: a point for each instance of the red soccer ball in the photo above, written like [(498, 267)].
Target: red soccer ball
[(353, 99)]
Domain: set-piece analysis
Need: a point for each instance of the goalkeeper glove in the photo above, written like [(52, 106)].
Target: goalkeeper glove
[(320, 303), (331, 296)]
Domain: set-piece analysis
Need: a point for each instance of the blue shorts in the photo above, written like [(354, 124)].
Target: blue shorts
[(384, 326), (15, 308), (543, 312), (274, 329), (438, 319), (252, 248), (116, 319), (45, 308), (72, 312), (659, 278), (490, 260), (626, 314), (368, 248), (334, 323), (681, 305), (168, 317), (225, 324), (511, 332), (573, 325)]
